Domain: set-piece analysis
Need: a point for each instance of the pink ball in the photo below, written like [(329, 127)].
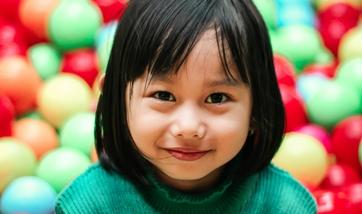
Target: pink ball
[(345, 140), (318, 132)]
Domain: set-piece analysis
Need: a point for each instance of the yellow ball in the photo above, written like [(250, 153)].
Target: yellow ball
[(323, 4), (16, 160), (304, 157), (63, 96), (351, 45)]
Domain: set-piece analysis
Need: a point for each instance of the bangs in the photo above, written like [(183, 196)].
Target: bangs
[(176, 27)]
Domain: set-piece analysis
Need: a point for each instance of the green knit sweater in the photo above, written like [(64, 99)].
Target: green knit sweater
[(269, 191)]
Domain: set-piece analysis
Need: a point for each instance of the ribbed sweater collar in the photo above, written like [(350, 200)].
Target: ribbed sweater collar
[(227, 197)]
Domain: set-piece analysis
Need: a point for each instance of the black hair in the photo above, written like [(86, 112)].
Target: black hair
[(158, 36)]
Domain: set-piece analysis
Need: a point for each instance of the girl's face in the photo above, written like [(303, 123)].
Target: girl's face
[(190, 124)]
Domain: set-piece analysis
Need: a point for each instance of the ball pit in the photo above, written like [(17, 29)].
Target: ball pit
[(50, 52)]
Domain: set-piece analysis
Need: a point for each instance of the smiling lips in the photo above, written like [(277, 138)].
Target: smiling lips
[(186, 155)]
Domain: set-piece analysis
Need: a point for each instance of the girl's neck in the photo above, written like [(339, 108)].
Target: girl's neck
[(192, 186)]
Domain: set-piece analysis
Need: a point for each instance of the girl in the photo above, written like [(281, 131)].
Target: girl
[(189, 118)]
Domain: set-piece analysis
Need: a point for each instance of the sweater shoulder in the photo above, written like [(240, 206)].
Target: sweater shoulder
[(94, 191), (283, 193)]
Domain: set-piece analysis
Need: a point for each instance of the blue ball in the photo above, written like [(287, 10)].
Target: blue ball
[(308, 84), (295, 15), (105, 33), (30, 195)]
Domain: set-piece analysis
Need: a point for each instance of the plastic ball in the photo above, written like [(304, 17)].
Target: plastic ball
[(319, 133), (353, 194), (330, 202), (9, 9), (36, 18), (106, 32), (323, 57), (74, 24), (7, 115), (111, 9), (340, 175), (360, 152), (304, 157), (268, 11), (20, 82), (290, 38), (332, 33), (308, 85), (284, 70), (346, 137), (343, 11), (61, 166), (323, 4), (37, 134), (82, 62), (94, 156), (294, 109), (327, 70), (63, 96), (78, 132), (295, 15), (332, 103), (351, 45), (103, 52), (45, 59), (30, 195), (349, 73), (16, 160)]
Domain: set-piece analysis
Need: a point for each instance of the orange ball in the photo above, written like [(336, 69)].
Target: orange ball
[(94, 156), (35, 17), (37, 134), (20, 82)]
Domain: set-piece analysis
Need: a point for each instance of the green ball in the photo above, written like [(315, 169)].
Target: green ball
[(78, 132), (16, 160), (324, 56), (32, 115), (292, 43), (74, 24), (333, 103), (267, 8), (46, 60), (103, 52), (350, 74), (61, 166)]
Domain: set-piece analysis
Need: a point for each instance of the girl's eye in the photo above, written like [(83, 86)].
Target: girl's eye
[(217, 98), (164, 96)]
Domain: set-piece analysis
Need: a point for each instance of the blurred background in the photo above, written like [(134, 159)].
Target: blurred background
[(53, 52)]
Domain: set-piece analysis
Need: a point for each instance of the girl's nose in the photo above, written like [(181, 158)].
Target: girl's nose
[(188, 123)]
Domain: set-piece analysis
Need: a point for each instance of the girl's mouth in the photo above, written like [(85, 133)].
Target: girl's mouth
[(186, 155)]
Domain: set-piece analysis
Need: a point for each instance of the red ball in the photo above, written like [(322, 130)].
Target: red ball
[(7, 115), (111, 9), (9, 9), (340, 175), (330, 202), (327, 70), (284, 70), (345, 140), (11, 33), (81, 62), (354, 197), (332, 33), (342, 11), (12, 49), (296, 115)]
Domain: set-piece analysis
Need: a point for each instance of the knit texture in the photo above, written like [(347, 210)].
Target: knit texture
[(269, 191)]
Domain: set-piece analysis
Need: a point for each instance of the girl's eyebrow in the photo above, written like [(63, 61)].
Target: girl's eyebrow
[(209, 82)]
